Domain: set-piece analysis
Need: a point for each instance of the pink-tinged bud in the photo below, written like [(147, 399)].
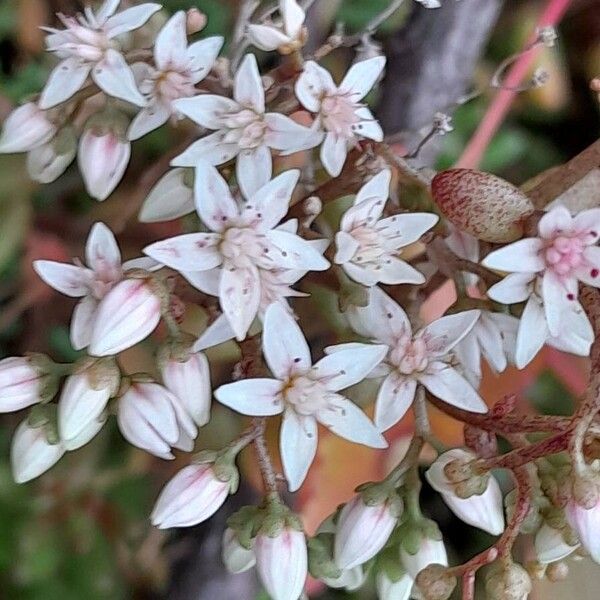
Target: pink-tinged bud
[(362, 531), (282, 563), (126, 315), (25, 128), (550, 545), (192, 496), (485, 510), (195, 21), (487, 207), (387, 589), (48, 162), (103, 157), (31, 454), (586, 524), (430, 552), (236, 558), (189, 380), (84, 398), (20, 383), (153, 419), (91, 430)]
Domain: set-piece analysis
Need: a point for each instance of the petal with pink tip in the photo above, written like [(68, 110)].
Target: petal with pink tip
[(101, 250), (67, 279)]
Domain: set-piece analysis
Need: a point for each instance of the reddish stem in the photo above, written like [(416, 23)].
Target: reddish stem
[(473, 153)]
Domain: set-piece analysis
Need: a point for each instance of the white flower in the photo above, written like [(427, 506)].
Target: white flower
[(430, 552), (546, 271), (192, 496), (91, 282), (242, 129), (586, 524), (179, 68), (242, 241), (420, 358), (550, 545), (31, 454), (393, 590), (362, 531), (305, 393), (494, 338), (48, 162), (484, 511), (368, 247), (26, 128), (153, 419), (89, 44), (188, 378), (169, 199), (236, 558), (20, 383), (286, 37), (340, 110), (282, 563)]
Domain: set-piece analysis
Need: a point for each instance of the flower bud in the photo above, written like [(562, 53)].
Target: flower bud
[(153, 419), (126, 315), (188, 377), (195, 21), (282, 562), (25, 128), (557, 571), (435, 582), (85, 396), (507, 582), (389, 589), (48, 162), (21, 383), (586, 524), (484, 510), (192, 496), (31, 453), (349, 579), (487, 207), (550, 545), (429, 552), (172, 197), (104, 153), (87, 434), (236, 558), (362, 531)]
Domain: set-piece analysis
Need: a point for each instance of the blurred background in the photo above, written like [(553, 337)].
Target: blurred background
[(82, 530)]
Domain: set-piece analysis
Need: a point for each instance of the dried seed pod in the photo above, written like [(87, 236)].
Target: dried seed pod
[(482, 204)]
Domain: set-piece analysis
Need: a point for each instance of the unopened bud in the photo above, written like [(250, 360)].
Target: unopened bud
[(508, 582), (195, 21), (26, 128), (557, 571), (436, 582), (48, 162)]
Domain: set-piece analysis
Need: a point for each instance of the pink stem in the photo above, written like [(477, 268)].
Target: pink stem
[(473, 153)]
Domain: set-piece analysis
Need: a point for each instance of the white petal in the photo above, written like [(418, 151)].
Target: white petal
[(407, 228), (576, 334), (255, 397), (209, 149), (368, 126), (490, 337), (448, 385), (588, 222), (513, 288), (312, 83), (106, 10), (206, 281), (82, 322), (361, 77), (239, 295), (130, 19), (285, 347), (590, 273), (532, 334), (395, 271), (378, 187), (333, 153), (216, 333), (170, 45), (555, 298), (523, 256), (31, 454), (346, 247), (293, 17), (153, 116), (348, 421), (67, 279), (292, 252), (287, 136), (266, 37), (395, 397), (114, 76), (298, 446), (247, 86), (344, 368), (202, 55), (66, 78), (101, 250), (394, 590), (188, 252), (555, 221), (214, 201), (169, 199), (254, 169), (206, 110), (443, 334)]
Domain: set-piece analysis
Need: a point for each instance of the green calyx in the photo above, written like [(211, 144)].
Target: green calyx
[(44, 416), (376, 494)]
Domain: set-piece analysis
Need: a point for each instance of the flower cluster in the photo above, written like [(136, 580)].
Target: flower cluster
[(260, 237)]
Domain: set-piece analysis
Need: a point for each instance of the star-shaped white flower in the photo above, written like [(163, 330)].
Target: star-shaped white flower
[(89, 44), (178, 68), (422, 358), (285, 37), (368, 247), (306, 394), (91, 283), (545, 271), (243, 129), (243, 240), (340, 111)]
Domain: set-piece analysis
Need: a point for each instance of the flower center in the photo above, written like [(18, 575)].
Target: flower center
[(171, 85), (564, 254), (339, 114), (370, 244), (306, 395), (81, 40), (410, 355), (241, 246), (247, 128)]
